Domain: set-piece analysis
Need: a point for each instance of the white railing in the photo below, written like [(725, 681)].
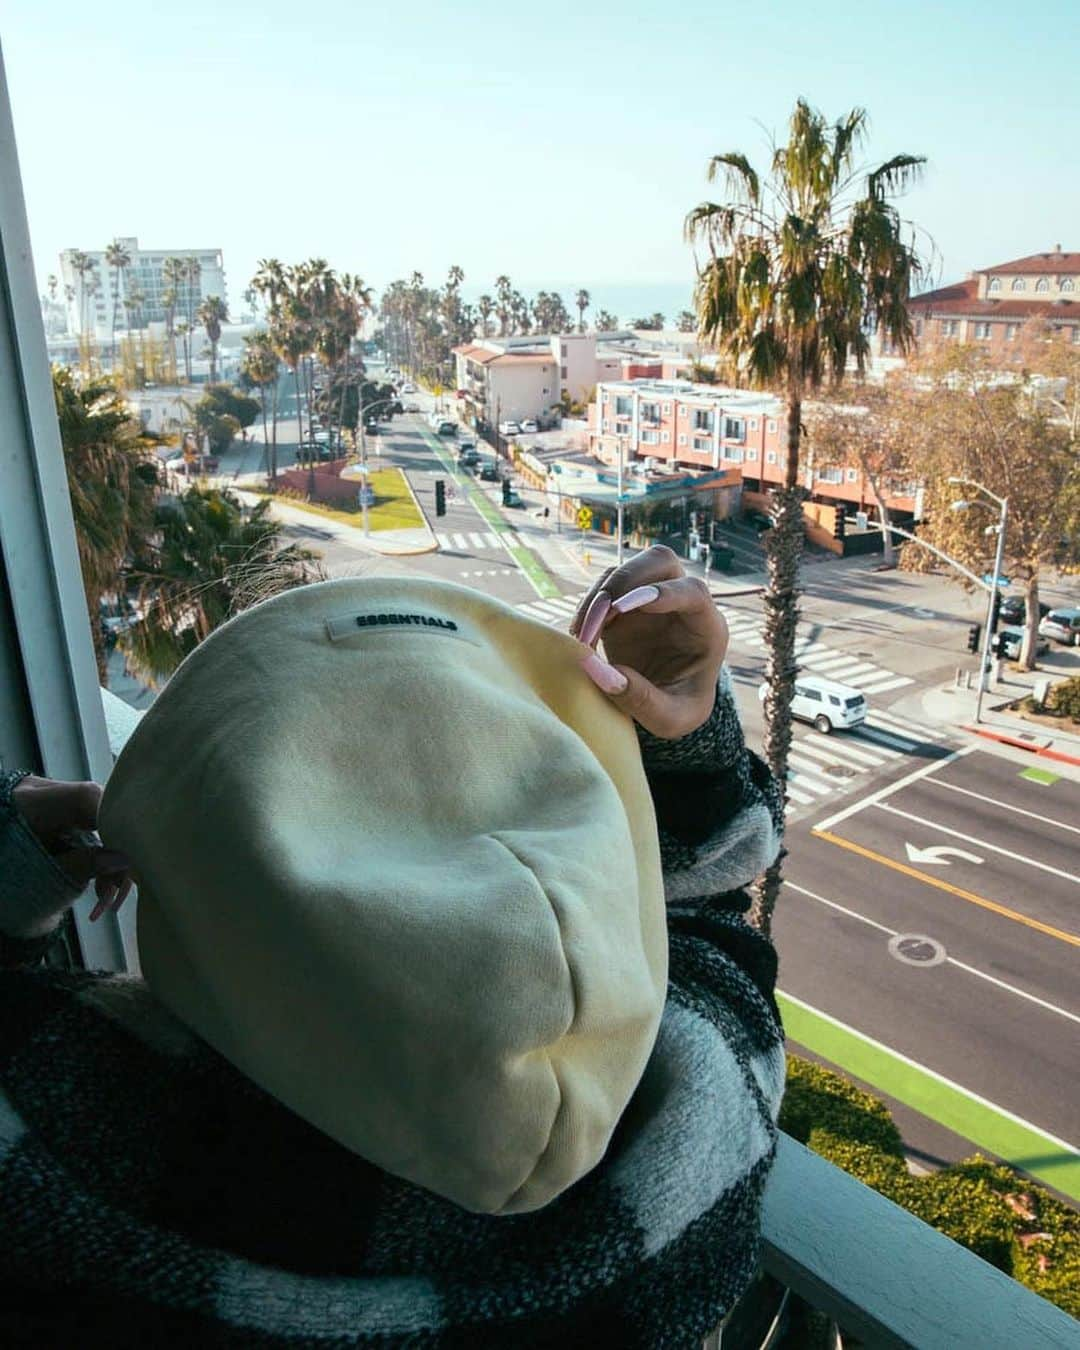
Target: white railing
[(886, 1277)]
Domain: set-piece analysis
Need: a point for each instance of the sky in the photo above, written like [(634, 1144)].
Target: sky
[(560, 143)]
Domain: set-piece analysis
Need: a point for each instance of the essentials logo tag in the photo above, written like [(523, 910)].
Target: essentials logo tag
[(388, 621)]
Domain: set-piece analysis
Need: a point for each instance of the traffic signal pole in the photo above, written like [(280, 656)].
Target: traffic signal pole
[(991, 602)]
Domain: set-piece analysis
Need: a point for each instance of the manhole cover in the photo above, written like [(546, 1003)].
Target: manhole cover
[(865, 656), (840, 771), (916, 949)]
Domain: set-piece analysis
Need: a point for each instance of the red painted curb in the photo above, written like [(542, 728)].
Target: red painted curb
[(1044, 751)]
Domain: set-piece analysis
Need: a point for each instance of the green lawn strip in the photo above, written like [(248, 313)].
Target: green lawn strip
[(535, 572), (394, 507), (1022, 1145)]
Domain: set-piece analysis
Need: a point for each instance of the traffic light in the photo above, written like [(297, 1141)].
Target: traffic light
[(997, 644), (838, 522), (440, 497), (506, 491), (995, 611), (974, 632)]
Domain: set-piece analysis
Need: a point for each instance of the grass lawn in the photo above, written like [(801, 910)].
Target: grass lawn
[(394, 507)]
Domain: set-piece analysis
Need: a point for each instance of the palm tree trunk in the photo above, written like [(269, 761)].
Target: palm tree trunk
[(266, 438), (783, 548), (299, 406), (273, 428)]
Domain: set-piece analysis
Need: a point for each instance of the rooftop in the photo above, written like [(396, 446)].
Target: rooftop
[(1052, 263)]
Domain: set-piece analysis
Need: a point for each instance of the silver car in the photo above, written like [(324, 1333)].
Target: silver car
[(1063, 625)]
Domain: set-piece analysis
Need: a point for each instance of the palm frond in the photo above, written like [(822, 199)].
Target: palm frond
[(895, 175), (738, 174)]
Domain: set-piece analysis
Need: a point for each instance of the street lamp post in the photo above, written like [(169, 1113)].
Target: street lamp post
[(1003, 503), (619, 505)]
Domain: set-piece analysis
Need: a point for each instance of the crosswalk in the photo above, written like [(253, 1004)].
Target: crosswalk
[(559, 610), (820, 766), (817, 657), (468, 541)]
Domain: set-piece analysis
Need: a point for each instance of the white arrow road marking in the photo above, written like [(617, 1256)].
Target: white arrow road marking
[(935, 854)]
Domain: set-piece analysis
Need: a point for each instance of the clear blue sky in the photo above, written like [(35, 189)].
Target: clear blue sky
[(559, 141)]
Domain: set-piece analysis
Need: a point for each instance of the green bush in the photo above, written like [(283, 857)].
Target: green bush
[(1064, 698), (983, 1205)]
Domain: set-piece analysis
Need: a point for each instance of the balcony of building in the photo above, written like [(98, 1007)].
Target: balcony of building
[(886, 1278)]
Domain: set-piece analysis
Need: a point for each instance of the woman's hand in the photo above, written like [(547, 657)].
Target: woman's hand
[(63, 817), (664, 638)]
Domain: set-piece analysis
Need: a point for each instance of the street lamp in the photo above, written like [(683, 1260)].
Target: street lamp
[(619, 503), (999, 530)]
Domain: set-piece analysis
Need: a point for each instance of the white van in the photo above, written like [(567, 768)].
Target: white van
[(825, 703)]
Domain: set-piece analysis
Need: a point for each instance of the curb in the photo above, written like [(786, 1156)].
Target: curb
[(416, 552), (1044, 751)]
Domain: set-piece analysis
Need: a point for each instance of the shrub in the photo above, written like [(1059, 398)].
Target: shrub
[(983, 1205), (1064, 698)]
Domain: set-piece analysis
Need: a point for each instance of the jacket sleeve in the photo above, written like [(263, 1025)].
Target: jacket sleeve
[(26, 869)]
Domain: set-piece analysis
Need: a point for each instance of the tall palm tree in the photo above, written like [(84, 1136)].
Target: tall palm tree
[(583, 300), (174, 273), (112, 480), (485, 307), (503, 309), (118, 259), (193, 298), (799, 267), (212, 314), (204, 563), (261, 366)]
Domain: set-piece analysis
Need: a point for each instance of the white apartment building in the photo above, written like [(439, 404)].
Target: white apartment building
[(89, 296)]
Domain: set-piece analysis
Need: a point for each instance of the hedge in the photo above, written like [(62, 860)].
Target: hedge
[(985, 1206)]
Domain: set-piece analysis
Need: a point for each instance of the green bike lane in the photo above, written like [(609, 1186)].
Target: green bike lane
[(531, 566)]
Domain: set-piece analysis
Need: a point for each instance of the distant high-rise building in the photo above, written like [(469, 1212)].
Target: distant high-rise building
[(139, 288)]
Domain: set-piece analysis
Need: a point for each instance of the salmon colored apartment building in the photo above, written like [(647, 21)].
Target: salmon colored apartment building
[(678, 426)]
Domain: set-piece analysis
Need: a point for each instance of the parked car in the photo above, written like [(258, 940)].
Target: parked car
[(489, 472), (1063, 625), (444, 427), (1014, 609), (1010, 640), (467, 443), (468, 459), (412, 407), (513, 501), (408, 387), (758, 520), (529, 426), (826, 703), (509, 429)]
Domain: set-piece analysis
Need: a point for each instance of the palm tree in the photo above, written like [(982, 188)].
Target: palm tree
[(173, 272), (261, 366), (606, 322), (212, 314), (799, 267), (583, 300), (485, 307), (204, 563), (193, 297), (503, 308), (112, 480), (118, 259)]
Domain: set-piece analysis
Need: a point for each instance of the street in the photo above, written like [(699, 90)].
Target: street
[(928, 929)]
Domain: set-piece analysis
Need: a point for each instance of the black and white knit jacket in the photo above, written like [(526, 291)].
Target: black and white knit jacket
[(152, 1196)]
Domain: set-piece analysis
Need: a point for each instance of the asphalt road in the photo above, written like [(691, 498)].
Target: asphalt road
[(940, 916)]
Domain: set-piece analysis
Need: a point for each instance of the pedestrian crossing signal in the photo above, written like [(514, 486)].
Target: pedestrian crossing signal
[(440, 497), (584, 518), (973, 637)]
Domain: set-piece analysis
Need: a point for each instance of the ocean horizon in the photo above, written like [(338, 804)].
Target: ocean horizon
[(625, 299)]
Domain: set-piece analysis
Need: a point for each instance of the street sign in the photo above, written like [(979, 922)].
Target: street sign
[(367, 496), (584, 518), (988, 580)]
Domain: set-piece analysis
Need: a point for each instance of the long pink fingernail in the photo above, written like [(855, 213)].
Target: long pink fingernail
[(605, 677), (640, 595), (594, 618)]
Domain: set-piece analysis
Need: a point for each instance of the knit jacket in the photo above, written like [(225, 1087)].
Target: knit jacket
[(152, 1196)]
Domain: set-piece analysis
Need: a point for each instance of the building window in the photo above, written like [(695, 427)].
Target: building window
[(735, 428), (605, 425), (950, 327), (1067, 284), (982, 330), (1076, 334), (1011, 330), (733, 455), (831, 475), (770, 456), (624, 407), (995, 284), (562, 350), (771, 427), (665, 437), (753, 424), (562, 372), (603, 397), (682, 437), (1018, 283), (667, 409), (650, 412), (751, 453), (703, 419), (1042, 285), (853, 475), (650, 438)]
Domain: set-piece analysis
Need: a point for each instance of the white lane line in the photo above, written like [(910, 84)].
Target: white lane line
[(830, 757), (874, 687), (982, 843), (949, 960), (1006, 806), (932, 1073), (882, 793), (848, 751)]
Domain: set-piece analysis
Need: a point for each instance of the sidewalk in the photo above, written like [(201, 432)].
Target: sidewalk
[(385, 543)]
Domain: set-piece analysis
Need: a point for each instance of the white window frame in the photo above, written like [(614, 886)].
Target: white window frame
[(739, 432), (753, 424), (1018, 284), (682, 437), (666, 408), (51, 716), (1067, 284), (853, 475), (604, 397), (751, 454), (770, 456), (650, 436), (1012, 331), (682, 409), (665, 438), (995, 284), (605, 425), (628, 411), (771, 427), (982, 330), (1042, 286), (830, 474)]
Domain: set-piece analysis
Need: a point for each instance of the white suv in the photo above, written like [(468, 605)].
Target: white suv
[(1063, 625), (825, 703)]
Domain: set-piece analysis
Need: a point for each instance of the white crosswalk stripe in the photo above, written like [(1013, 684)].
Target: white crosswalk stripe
[(883, 686), (477, 540), (848, 751), (491, 540), (460, 542)]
